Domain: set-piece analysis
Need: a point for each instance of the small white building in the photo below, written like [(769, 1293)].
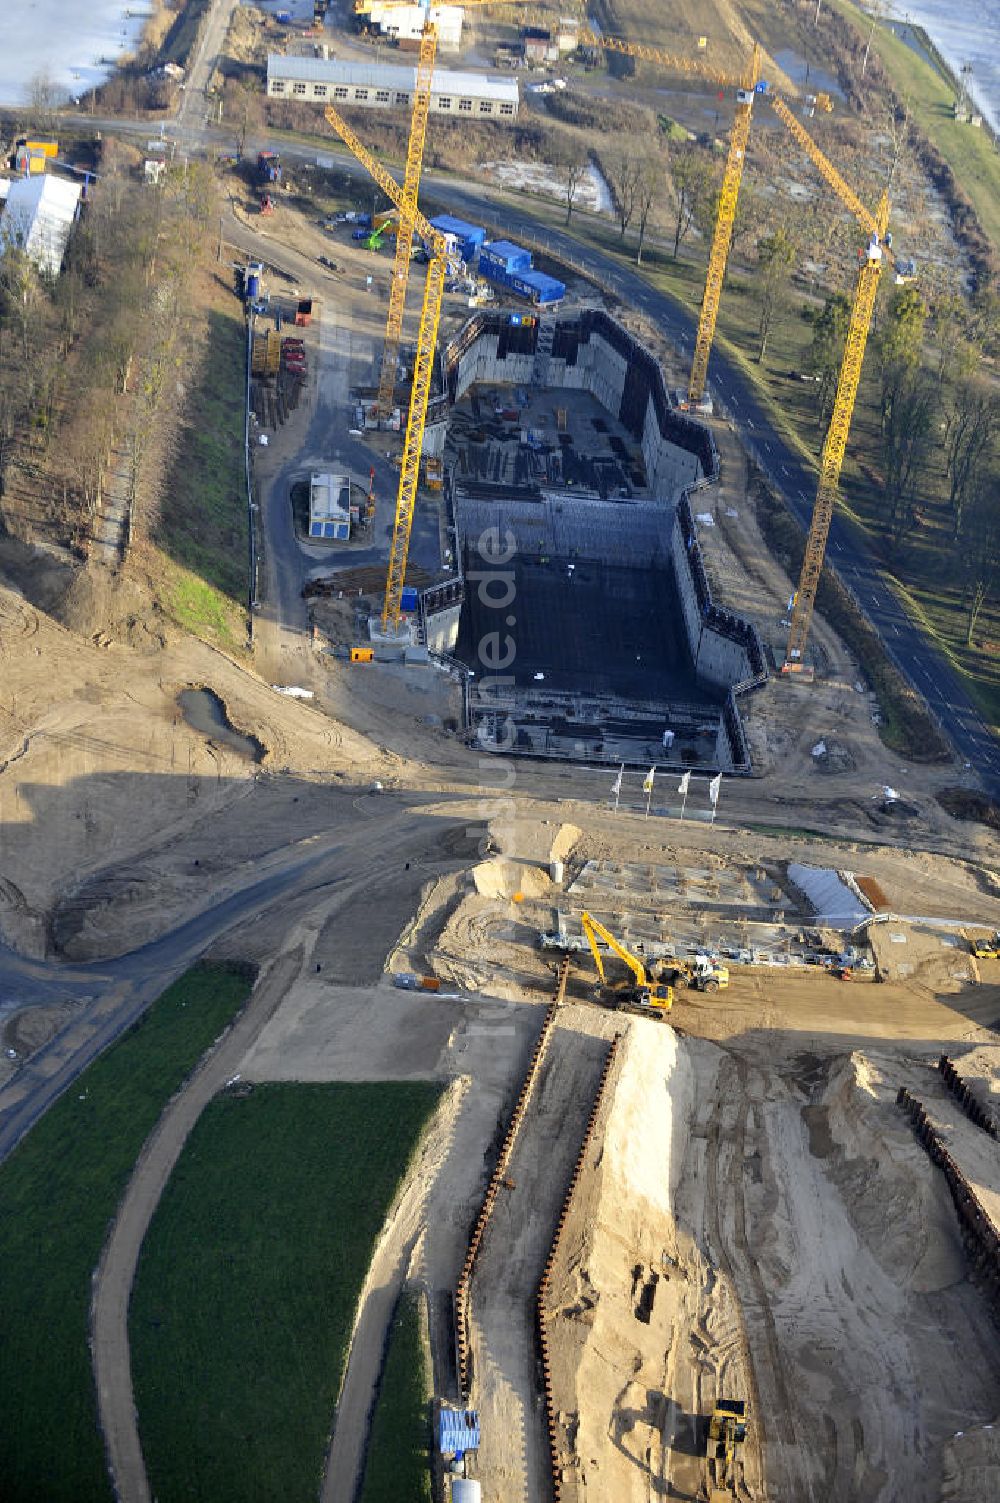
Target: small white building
[(38, 217), (329, 507), (384, 86), (406, 23)]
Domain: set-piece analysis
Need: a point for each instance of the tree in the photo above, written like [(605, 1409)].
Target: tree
[(573, 163), (899, 346), (980, 551), (969, 445), (775, 257), (648, 192), (830, 327), (905, 444), (624, 172), (691, 174)]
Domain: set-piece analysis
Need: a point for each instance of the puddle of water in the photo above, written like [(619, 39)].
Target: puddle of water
[(807, 77), (205, 712)]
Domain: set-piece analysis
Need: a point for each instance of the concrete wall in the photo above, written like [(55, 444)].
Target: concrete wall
[(591, 353), (726, 649), (442, 628)]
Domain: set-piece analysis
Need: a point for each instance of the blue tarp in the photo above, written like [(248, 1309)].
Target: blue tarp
[(545, 289), (458, 1431), (505, 255)]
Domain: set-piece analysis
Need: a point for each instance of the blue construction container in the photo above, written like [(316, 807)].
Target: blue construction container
[(468, 237), (410, 599), (544, 289), (504, 257)]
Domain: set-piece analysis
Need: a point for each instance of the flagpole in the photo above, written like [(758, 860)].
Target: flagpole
[(684, 801), (618, 786), (649, 798)]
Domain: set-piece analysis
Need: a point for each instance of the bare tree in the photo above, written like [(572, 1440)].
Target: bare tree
[(573, 163), (980, 552), (648, 193), (625, 172), (691, 173), (971, 440), (906, 440), (775, 258)]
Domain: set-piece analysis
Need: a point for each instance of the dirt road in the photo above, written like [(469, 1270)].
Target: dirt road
[(116, 1270)]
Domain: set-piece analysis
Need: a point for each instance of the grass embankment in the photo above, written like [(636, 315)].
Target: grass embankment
[(58, 1192), (249, 1278), (929, 96), (398, 1462), (203, 522)]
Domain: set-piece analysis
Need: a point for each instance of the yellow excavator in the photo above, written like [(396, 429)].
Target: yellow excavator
[(727, 1430), (644, 995)]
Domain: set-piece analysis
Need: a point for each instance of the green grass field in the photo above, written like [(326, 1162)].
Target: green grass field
[(248, 1281), (58, 1192), (398, 1463), (203, 525)]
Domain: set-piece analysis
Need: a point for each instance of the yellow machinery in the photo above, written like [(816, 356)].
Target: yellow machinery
[(408, 205), (701, 975), (836, 441), (987, 949), (727, 1430), (644, 995), (430, 317)]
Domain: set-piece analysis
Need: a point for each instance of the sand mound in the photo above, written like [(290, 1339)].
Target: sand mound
[(564, 842), (502, 879), (898, 1203), (626, 1284)]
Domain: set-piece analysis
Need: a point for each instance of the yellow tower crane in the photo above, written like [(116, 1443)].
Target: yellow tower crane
[(835, 444), (722, 235), (411, 188), (430, 317)]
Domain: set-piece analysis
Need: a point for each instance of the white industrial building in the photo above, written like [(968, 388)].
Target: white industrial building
[(330, 507), (406, 22), (37, 217), (382, 86)]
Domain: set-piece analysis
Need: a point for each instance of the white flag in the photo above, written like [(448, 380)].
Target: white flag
[(713, 788), (684, 784), (616, 786), (647, 786)]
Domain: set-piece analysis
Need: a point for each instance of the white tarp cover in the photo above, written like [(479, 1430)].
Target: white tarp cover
[(832, 899), (38, 217)]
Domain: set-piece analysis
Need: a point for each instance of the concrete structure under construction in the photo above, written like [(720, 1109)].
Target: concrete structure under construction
[(582, 609), (330, 507), (387, 86)]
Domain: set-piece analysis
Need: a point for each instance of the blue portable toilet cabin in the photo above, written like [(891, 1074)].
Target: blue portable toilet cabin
[(410, 599)]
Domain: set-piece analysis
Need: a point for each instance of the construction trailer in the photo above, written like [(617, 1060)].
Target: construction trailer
[(508, 265), (462, 238)]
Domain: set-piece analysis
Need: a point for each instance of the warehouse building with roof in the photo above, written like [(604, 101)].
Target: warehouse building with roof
[(37, 218), (386, 86)]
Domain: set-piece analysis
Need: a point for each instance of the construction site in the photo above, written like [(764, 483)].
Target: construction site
[(544, 780)]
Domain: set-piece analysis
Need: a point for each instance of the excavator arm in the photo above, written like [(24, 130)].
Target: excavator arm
[(593, 928)]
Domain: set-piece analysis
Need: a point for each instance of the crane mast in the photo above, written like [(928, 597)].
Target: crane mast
[(835, 444), (407, 209), (723, 234)]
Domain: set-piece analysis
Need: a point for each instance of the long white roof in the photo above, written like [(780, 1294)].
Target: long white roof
[(38, 216), (450, 81)]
